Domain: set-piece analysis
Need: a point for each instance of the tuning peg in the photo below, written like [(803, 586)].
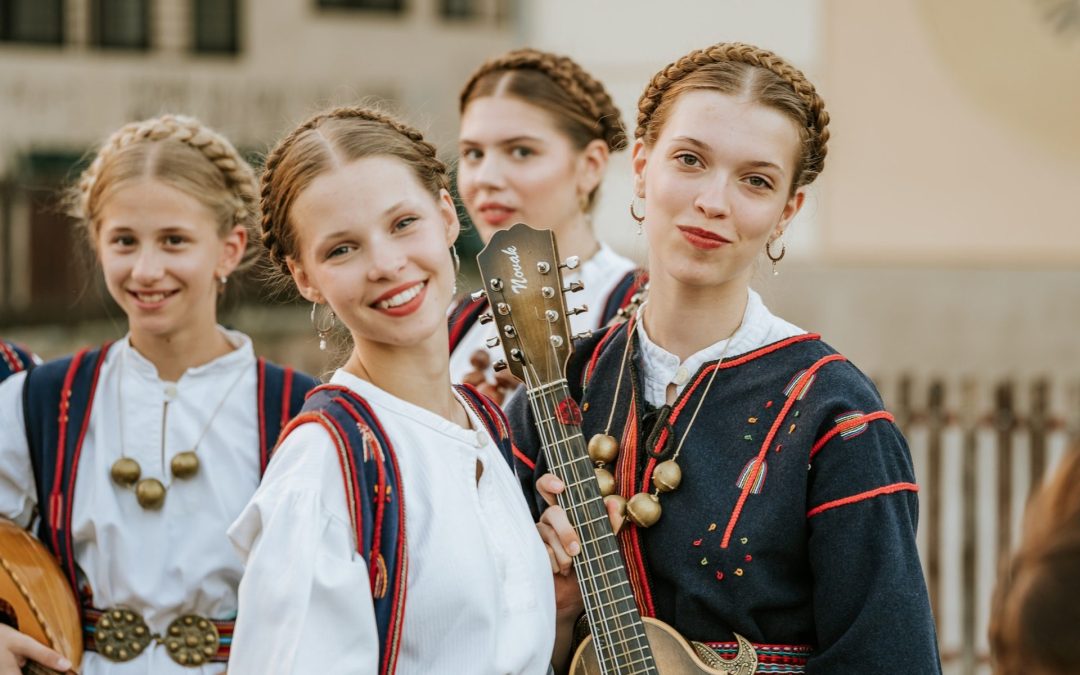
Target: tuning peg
[(478, 295), (577, 310), (551, 315), (492, 341), (495, 284), (500, 365), (574, 287), (582, 335), (517, 355), (485, 318), (543, 267), (556, 341), (571, 263)]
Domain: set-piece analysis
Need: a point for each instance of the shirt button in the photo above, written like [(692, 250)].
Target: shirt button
[(681, 376), (481, 438), (170, 391)]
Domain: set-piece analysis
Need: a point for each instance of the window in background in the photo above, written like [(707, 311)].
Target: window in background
[(32, 21), (459, 9), (217, 26), (122, 24), (384, 5)]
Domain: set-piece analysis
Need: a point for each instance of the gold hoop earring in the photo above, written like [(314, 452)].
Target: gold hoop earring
[(775, 258), (323, 330), (640, 219)]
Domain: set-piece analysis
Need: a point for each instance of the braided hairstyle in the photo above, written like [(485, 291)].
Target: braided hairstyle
[(326, 140), (743, 70), (183, 153), (579, 104)]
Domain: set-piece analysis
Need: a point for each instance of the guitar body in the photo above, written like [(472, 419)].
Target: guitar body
[(35, 597), (672, 653)]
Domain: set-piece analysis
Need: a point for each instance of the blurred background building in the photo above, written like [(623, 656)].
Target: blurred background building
[(940, 250)]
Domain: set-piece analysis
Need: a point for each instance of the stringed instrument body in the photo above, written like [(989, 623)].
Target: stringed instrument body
[(520, 271), (35, 597)]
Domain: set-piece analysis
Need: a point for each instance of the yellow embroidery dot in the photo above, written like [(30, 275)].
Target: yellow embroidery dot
[(704, 561), (585, 407), (791, 429), (752, 420), (744, 540), (712, 527), (738, 572)]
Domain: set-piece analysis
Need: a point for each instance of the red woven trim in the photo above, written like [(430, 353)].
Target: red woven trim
[(462, 318), (15, 364), (792, 397), (286, 398), (522, 457), (494, 415), (628, 538), (863, 496), (264, 451), (600, 348), (849, 424), (56, 500)]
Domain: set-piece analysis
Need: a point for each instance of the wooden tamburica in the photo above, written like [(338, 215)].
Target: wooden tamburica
[(35, 597)]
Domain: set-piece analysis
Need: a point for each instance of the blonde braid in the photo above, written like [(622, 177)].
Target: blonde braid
[(276, 236), (817, 118), (587, 93), (238, 174)]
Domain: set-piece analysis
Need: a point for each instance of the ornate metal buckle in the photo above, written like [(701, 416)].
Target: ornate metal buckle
[(121, 634)]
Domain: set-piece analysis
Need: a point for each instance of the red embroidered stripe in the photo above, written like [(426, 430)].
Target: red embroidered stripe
[(848, 424), (611, 332), (464, 319), (523, 458), (628, 537), (768, 443), (286, 398), (790, 655), (863, 496), (15, 364)]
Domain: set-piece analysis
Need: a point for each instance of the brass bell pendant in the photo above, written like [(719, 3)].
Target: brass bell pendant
[(606, 481), (603, 449), (150, 493), (644, 509), (185, 464), (666, 476), (125, 471)]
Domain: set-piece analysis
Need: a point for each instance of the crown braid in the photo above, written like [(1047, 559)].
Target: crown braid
[(587, 93), (817, 118), (277, 236), (237, 173)]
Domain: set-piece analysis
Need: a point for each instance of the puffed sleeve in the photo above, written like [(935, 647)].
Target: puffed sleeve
[(305, 598), (871, 606), (18, 494)]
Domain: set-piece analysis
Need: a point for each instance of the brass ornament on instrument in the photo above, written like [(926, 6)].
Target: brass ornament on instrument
[(185, 464), (603, 448), (606, 481), (150, 493), (643, 509), (666, 476), (125, 471)]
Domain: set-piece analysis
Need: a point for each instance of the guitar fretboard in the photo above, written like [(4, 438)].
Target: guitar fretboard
[(618, 632)]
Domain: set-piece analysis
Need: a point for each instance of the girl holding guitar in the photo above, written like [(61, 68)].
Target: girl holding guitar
[(767, 493), (536, 134), (134, 458), (389, 534)]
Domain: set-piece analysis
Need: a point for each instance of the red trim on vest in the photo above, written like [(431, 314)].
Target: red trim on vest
[(792, 397), (628, 537), (462, 312), (15, 364), (286, 396), (863, 496), (849, 424), (522, 457), (600, 347)]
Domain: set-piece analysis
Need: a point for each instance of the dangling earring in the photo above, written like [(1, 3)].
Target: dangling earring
[(775, 258), (457, 269), (322, 331), (640, 219)]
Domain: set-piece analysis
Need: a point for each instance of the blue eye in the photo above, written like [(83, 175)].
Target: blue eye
[(688, 159), (759, 182), (404, 223), (338, 251)]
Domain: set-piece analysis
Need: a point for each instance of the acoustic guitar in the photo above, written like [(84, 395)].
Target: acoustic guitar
[(35, 597), (522, 280)]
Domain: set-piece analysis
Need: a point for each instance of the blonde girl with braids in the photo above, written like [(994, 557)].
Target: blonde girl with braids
[(389, 534), (134, 458), (536, 134), (761, 488)]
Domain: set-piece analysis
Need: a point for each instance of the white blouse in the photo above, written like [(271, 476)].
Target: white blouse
[(660, 368), (479, 593), (600, 274), (176, 560)]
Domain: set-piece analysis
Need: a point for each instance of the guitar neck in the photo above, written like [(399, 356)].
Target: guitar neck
[(617, 629)]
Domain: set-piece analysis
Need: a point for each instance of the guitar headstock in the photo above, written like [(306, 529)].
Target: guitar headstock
[(522, 278)]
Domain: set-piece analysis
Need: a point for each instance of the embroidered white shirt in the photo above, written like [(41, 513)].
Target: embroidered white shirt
[(479, 595), (169, 562), (600, 274), (661, 368)]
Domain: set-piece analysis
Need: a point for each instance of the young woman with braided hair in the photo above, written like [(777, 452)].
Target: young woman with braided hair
[(766, 492), (536, 134), (137, 456), (389, 534)]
